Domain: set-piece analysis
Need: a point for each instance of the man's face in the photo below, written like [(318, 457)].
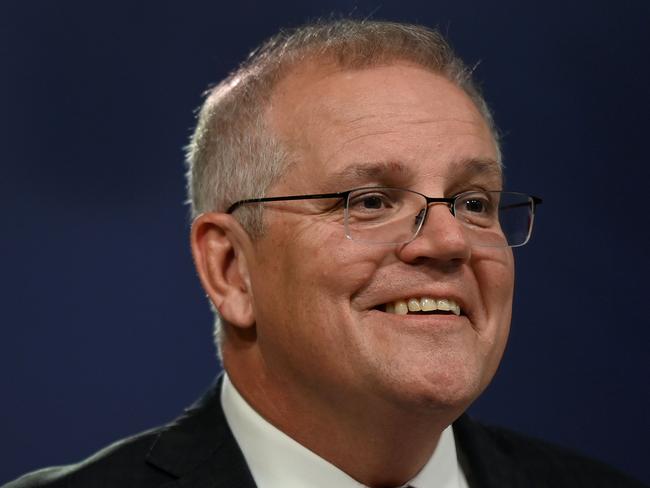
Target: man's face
[(320, 298)]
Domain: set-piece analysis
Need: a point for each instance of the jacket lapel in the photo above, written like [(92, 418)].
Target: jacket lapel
[(484, 461), (199, 449)]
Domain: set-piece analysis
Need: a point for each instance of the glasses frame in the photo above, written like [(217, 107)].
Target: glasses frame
[(343, 195)]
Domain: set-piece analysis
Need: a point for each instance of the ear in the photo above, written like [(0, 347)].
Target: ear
[(218, 245)]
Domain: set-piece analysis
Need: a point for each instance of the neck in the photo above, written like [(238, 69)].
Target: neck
[(378, 443)]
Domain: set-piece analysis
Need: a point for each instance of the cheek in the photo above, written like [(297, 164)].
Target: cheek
[(302, 299), (311, 270), (495, 275), (494, 272), (319, 259)]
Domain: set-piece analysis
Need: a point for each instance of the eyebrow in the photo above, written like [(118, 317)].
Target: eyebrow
[(462, 169), (469, 168), (374, 170)]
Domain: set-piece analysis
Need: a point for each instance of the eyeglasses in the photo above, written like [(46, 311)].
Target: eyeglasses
[(384, 215)]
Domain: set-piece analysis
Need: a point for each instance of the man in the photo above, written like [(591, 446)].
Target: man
[(353, 235)]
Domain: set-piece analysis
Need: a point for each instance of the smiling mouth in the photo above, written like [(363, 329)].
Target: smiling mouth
[(422, 306)]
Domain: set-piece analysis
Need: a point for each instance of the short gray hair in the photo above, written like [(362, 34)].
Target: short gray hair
[(232, 154)]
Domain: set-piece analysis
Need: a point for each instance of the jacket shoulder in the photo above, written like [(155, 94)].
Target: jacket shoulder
[(117, 465), (512, 459), (196, 449)]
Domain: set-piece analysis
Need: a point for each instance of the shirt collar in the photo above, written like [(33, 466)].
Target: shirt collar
[(277, 461)]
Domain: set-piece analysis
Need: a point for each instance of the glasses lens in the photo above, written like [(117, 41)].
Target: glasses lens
[(395, 216), (384, 215), (516, 217), (495, 219)]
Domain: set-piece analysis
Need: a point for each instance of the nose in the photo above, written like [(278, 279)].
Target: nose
[(441, 238)]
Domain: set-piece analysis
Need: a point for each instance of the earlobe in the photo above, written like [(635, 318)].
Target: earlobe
[(218, 245)]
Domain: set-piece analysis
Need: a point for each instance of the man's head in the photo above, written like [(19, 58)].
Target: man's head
[(233, 155), (306, 310)]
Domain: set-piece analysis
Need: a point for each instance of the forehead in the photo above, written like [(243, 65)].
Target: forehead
[(402, 121)]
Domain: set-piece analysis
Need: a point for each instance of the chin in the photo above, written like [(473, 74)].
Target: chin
[(450, 386)]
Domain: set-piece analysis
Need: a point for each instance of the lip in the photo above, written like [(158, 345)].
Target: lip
[(421, 321)]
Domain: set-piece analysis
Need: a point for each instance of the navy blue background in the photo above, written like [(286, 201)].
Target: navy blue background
[(105, 330)]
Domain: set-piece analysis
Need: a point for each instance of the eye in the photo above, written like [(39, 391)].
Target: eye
[(371, 201), (475, 205), (374, 203), (478, 208)]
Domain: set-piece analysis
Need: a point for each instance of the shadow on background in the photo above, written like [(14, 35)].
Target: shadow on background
[(105, 331)]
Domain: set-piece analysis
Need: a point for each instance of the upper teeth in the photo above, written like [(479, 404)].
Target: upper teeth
[(425, 304)]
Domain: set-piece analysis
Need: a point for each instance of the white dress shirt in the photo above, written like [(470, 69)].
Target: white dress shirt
[(277, 461)]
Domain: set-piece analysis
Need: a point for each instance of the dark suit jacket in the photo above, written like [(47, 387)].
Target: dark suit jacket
[(198, 450)]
